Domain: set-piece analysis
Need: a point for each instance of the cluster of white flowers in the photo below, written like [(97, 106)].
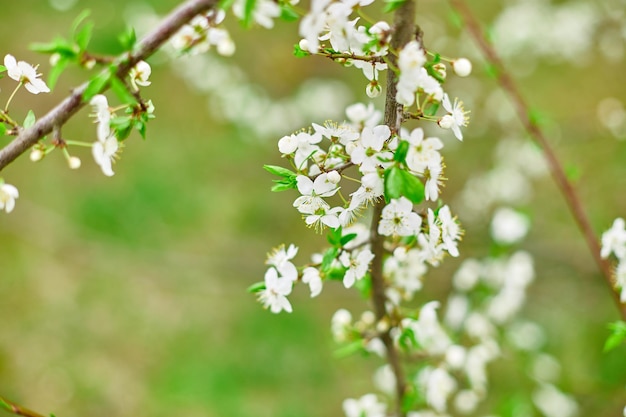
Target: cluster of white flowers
[(202, 32), (614, 242)]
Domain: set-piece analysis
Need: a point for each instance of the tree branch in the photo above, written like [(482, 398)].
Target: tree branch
[(11, 407), (404, 30), (569, 193), (60, 114)]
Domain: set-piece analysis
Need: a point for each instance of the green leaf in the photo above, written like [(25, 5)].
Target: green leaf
[(248, 11), (2, 68), (392, 5), (432, 109), (399, 182), (573, 172), (57, 70), (79, 20), (96, 85), (57, 46), (334, 237), (128, 39), (225, 4), (121, 91), (617, 336), (299, 52), (83, 36), (349, 349), (347, 238), (403, 149), (280, 171), (288, 13), (329, 256), (122, 125), (284, 185), (256, 287), (3, 129), (29, 120)]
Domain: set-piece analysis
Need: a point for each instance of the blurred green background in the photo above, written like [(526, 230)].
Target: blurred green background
[(126, 295)]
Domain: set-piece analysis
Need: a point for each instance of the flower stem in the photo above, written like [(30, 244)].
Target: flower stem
[(17, 409), (6, 108)]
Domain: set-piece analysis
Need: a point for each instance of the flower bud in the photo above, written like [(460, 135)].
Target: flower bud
[(446, 122), (73, 162), (373, 89), (36, 155), (462, 67), (441, 69), (334, 177), (304, 45)]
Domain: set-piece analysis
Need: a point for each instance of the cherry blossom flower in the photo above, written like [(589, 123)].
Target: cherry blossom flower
[(26, 74), (312, 192), (280, 256), (357, 263), (367, 152), (139, 75), (277, 288), (103, 116), (366, 406), (312, 277), (104, 153), (8, 194), (614, 240), (399, 219), (456, 117), (422, 152), (371, 189), (450, 230)]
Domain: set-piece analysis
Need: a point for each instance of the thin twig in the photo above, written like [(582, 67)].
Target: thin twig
[(565, 186), (11, 407), (60, 114)]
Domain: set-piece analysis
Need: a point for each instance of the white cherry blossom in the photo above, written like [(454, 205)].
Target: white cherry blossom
[(8, 195), (398, 219), (357, 263), (26, 74), (456, 117)]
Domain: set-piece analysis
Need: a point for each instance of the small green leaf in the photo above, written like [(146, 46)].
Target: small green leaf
[(299, 52), (83, 36), (573, 172), (334, 237), (140, 126), (432, 109), (57, 46), (121, 91), (79, 20), (225, 4), (96, 85), (122, 126), (329, 256), (284, 185), (29, 120), (392, 5), (399, 182), (400, 154), (3, 129), (288, 13), (347, 238), (128, 39), (56, 71), (280, 171), (617, 336), (2, 68), (256, 287), (349, 349)]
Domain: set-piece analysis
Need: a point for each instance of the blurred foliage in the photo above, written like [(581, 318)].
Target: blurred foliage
[(126, 295)]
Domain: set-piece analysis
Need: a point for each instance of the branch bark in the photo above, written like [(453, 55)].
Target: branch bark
[(521, 107), (60, 114), (404, 31)]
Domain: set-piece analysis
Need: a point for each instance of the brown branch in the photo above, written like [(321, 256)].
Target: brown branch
[(404, 29), (60, 114), (521, 107), (11, 407)]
